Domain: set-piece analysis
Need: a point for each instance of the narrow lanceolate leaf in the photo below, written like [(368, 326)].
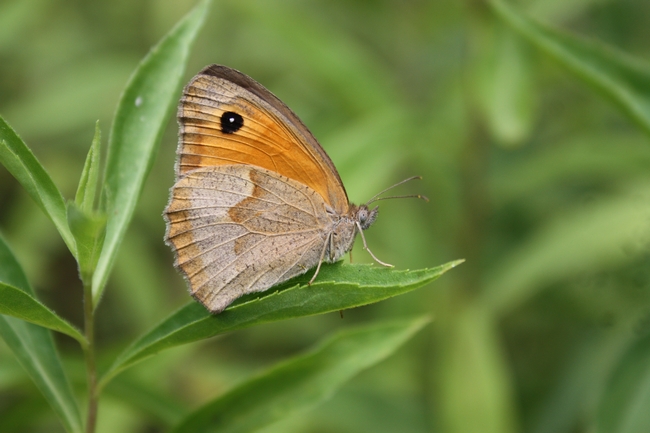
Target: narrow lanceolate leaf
[(19, 160), (300, 383), (473, 363), (624, 79), (587, 238), (34, 348), (338, 287), (504, 79), (88, 229), (85, 197), (141, 115), (20, 304)]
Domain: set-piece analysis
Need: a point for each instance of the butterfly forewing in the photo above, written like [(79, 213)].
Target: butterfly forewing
[(227, 118)]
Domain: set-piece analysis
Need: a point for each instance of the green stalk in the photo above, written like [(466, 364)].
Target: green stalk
[(89, 352)]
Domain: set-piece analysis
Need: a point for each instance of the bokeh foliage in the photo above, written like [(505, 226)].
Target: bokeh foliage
[(535, 154)]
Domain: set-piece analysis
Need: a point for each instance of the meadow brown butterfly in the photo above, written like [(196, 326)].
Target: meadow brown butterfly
[(256, 200)]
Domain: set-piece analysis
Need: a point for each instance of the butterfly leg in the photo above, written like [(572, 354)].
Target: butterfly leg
[(320, 261), (365, 247)]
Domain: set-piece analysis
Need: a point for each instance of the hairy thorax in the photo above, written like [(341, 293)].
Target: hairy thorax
[(344, 229)]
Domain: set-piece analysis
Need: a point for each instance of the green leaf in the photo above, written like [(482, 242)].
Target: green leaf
[(624, 407), (87, 226), (589, 157), (141, 116), (23, 165), (302, 382), (20, 304), (622, 78), (580, 383), (34, 348), (88, 229), (603, 235), (338, 287), (504, 79), (85, 197), (477, 392)]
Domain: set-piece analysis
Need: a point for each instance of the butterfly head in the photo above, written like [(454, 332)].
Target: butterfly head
[(366, 216)]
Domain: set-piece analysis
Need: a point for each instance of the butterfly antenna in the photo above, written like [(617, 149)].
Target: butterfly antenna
[(423, 197), (374, 198)]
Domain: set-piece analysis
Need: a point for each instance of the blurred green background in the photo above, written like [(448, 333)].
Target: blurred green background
[(540, 182)]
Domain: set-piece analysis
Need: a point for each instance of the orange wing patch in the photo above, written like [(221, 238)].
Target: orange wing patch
[(227, 118)]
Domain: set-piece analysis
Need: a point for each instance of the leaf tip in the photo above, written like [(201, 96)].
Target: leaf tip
[(455, 263)]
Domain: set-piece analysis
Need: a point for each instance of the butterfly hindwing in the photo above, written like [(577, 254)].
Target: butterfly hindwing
[(239, 229)]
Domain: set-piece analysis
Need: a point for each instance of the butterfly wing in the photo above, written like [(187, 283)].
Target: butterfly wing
[(239, 229), (228, 118)]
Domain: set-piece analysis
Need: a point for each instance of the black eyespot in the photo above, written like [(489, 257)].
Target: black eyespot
[(231, 122)]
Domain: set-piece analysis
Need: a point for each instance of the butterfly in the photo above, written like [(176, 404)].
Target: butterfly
[(257, 200)]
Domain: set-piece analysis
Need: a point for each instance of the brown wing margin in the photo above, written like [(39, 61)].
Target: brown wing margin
[(244, 81)]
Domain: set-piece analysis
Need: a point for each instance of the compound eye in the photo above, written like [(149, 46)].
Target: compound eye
[(363, 215)]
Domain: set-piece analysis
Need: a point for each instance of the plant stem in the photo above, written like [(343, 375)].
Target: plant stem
[(91, 368)]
